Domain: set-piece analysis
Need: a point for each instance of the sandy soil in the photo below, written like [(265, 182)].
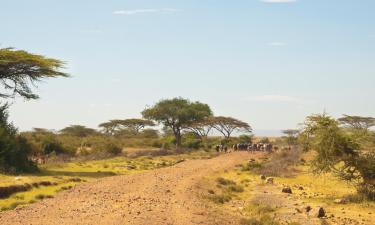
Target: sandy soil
[(163, 196)]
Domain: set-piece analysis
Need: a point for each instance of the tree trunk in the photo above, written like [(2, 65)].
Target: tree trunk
[(177, 135)]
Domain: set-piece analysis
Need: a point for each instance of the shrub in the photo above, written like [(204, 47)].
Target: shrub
[(191, 141), (220, 199), (224, 181), (349, 152), (264, 220), (236, 188), (280, 163), (14, 150), (109, 147)]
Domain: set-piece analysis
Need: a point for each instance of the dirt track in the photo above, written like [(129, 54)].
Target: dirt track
[(163, 196)]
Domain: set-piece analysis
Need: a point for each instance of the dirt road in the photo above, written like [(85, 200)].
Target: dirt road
[(163, 196)]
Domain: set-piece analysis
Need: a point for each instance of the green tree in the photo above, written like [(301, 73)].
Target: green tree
[(201, 128), (78, 131), (341, 152), (357, 122), (228, 125), (14, 149), (291, 136), (134, 126), (20, 70), (177, 114)]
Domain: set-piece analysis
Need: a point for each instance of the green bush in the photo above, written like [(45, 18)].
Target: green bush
[(223, 181), (191, 141), (14, 149)]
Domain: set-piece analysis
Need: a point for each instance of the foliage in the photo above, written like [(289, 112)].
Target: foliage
[(191, 141), (343, 152), (245, 138), (265, 140), (177, 114), (201, 128), (357, 122), (78, 130), (14, 150), (227, 125), (291, 136), (149, 133), (20, 69), (133, 126)]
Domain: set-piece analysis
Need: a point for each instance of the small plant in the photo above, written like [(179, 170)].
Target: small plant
[(221, 199), (264, 220), (41, 196), (235, 188), (225, 182)]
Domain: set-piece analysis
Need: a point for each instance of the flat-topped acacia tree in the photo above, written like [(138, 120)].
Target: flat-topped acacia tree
[(20, 70), (228, 125), (114, 127), (177, 114)]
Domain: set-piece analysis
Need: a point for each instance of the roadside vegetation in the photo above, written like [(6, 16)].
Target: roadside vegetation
[(320, 174)]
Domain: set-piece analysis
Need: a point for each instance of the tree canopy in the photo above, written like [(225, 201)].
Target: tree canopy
[(20, 70), (357, 122), (133, 125), (228, 125), (291, 136), (340, 152), (201, 128), (78, 131), (177, 114)]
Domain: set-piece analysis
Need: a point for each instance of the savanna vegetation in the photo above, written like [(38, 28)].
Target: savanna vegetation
[(327, 160)]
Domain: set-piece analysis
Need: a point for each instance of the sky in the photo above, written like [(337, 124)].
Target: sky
[(270, 63)]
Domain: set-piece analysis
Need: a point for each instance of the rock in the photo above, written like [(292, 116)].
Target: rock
[(270, 180), (287, 190), (321, 212), (262, 177), (308, 208), (300, 188)]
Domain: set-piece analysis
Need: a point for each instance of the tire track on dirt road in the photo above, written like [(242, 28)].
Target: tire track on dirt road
[(162, 196)]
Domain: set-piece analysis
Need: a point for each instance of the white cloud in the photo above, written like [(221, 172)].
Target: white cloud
[(144, 11), (275, 98), (277, 44), (279, 1)]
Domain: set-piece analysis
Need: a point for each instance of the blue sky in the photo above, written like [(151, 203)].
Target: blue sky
[(270, 63)]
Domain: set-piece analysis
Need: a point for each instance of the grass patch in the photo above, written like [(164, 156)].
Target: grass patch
[(220, 198), (264, 220), (225, 182)]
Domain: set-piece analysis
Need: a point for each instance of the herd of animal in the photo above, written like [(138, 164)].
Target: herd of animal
[(246, 147)]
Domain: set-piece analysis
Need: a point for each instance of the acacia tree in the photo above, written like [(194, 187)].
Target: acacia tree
[(110, 128), (227, 125), (291, 136), (177, 114), (134, 125), (340, 152), (78, 131), (20, 70), (201, 128), (357, 122)]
